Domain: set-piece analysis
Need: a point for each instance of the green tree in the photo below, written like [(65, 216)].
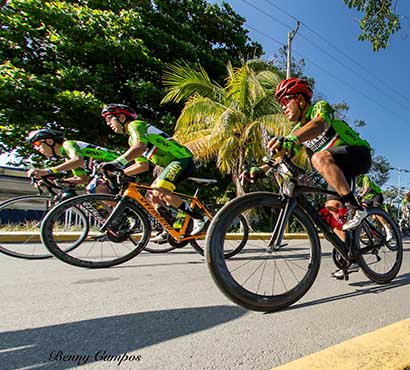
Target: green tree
[(62, 60), (230, 123), (380, 170), (379, 21)]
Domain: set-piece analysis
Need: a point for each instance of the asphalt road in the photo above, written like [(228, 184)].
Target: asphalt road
[(165, 312)]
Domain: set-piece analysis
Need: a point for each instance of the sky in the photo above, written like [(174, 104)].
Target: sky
[(373, 84)]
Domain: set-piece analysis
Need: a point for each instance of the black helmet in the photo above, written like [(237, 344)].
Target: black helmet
[(116, 109), (45, 133)]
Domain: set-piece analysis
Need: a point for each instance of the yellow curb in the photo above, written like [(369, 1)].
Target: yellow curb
[(24, 237), (383, 349)]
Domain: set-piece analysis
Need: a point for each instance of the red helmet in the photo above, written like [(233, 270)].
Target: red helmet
[(116, 109), (293, 86)]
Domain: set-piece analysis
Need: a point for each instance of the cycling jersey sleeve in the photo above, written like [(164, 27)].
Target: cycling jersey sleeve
[(366, 182), (137, 130), (71, 149), (323, 110)]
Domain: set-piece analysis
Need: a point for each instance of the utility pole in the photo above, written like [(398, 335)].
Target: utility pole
[(399, 171), (291, 35)]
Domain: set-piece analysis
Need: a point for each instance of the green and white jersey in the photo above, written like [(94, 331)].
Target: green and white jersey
[(335, 133), (161, 148), (405, 203), (83, 150), (365, 182)]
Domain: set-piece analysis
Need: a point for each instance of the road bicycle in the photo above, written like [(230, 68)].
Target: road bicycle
[(20, 218), (404, 227), (281, 259), (119, 226)]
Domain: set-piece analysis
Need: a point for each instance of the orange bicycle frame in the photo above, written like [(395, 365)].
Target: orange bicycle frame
[(133, 192)]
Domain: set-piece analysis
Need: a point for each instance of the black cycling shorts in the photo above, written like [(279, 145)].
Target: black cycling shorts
[(376, 201), (352, 160)]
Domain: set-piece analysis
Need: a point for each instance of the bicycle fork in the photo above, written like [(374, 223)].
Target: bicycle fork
[(118, 210), (275, 241)]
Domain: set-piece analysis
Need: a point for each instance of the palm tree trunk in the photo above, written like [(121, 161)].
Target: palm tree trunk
[(236, 176)]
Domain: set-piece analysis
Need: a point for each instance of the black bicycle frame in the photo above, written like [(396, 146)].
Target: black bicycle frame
[(296, 199)]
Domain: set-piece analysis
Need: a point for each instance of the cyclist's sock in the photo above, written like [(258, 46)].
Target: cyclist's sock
[(350, 200), (187, 209)]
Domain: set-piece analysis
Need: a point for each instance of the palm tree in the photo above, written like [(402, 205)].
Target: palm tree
[(230, 124)]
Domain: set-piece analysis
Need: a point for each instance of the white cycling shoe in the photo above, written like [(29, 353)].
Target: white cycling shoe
[(199, 225), (358, 217), (354, 267)]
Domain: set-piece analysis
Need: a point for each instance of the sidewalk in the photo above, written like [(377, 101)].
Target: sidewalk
[(384, 349)]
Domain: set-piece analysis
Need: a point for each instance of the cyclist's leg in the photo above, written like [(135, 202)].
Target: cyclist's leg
[(166, 183), (377, 201), (350, 161)]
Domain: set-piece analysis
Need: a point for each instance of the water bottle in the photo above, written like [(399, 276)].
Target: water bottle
[(340, 218), (326, 215), (179, 220), (335, 221)]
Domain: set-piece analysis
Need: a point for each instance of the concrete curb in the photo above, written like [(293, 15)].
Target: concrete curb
[(383, 349)]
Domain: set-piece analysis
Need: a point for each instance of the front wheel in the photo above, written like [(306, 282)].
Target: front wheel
[(379, 245), (20, 220), (126, 236), (262, 277)]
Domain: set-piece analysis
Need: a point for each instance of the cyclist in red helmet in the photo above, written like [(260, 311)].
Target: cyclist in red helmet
[(148, 144), (337, 152)]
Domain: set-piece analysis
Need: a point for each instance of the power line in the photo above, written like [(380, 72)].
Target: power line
[(327, 53), (264, 34), (340, 51), (334, 58), (354, 72), (339, 80)]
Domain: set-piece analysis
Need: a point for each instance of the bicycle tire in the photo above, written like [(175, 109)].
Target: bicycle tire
[(239, 224), (132, 241), (370, 252), (23, 209), (160, 248), (249, 205)]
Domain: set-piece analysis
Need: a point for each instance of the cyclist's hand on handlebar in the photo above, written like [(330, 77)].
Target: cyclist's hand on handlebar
[(111, 166), (251, 175), (37, 173), (283, 143)]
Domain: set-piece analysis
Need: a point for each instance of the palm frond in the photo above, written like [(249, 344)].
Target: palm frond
[(198, 113), (244, 88), (184, 81)]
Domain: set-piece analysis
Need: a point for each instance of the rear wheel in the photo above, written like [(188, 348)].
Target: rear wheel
[(260, 277), (127, 235), (236, 236), (379, 245)]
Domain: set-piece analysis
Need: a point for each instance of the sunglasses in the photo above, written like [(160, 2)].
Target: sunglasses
[(287, 99), (110, 117), (37, 143)]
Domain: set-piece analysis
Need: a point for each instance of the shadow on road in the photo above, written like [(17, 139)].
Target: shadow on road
[(372, 288), (31, 348)]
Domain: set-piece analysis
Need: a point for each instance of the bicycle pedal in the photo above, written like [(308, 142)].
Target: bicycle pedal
[(278, 247)]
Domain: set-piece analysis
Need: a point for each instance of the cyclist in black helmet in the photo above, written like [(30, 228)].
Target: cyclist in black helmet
[(52, 143)]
